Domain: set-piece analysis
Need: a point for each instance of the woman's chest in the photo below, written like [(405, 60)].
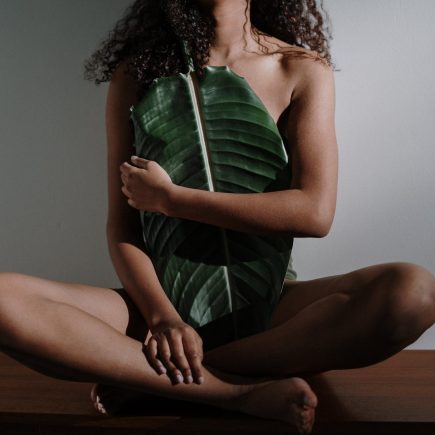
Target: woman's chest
[(271, 83)]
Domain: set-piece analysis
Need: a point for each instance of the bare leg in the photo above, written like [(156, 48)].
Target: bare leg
[(344, 321), (78, 330)]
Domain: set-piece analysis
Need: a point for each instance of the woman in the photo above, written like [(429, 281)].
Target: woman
[(84, 333)]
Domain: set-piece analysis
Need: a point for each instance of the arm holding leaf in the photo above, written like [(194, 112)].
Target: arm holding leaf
[(304, 210), (176, 347)]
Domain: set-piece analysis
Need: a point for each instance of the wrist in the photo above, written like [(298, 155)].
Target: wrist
[(158, 319), (173, 199)]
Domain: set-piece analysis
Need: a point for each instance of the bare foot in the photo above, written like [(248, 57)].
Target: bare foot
[(109, 400), (290, 400)]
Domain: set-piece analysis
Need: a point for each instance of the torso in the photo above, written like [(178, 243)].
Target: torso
[(273, 77)]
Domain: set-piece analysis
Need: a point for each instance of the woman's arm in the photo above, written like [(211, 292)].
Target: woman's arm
[(132, 265), (134, 268), (305, 210)]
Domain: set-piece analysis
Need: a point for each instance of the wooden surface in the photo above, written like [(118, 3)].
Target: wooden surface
[(396, 396)]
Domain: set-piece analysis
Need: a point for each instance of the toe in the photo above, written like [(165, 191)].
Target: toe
[(305, 395), (309, 402), (305, 425), (309, 399), (94, 393), (96, 401), (303, 418)]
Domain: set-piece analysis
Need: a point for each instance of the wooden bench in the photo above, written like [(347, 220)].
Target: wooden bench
[(396, 397)]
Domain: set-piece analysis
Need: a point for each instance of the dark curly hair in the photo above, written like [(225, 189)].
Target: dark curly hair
[(147, 38)]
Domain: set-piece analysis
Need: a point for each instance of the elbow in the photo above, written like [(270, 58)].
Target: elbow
[(110, 231), (320, 222), (118, 231), (320, 230), (114, 232), (110, 237)]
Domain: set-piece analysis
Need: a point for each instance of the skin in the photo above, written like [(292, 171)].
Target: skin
[(84, 333)]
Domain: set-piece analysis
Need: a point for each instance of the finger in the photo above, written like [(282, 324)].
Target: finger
[(139, 161), (164, 352), (179, 358), (131, 203), (194, 355), (124, 179), (151, 354), (126, 168), (125, 191)]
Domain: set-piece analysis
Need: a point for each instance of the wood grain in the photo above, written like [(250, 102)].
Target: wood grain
[(396, 396)]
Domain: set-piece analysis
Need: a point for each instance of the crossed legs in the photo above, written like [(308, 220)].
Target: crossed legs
[(338, 322), (95, 335), (78, 332)]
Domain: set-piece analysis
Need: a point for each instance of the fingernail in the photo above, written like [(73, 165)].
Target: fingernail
[(200, 380), (162, 369), (189, 379), (179, 379), (134, 157)]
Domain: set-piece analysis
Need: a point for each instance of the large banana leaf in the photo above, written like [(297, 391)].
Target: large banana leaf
[(214, 133)]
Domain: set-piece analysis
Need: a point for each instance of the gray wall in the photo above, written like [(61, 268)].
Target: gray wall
[(52, 143), (386, 134)]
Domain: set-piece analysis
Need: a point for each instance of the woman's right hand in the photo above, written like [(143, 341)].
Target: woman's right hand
[(175, 348)]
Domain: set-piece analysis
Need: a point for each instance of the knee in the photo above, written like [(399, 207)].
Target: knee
[(11, 293), (10, 282), (15, 294), (408, 293)]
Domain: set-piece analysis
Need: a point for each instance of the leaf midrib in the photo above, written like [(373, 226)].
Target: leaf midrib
[(194, 94), (193, 89)]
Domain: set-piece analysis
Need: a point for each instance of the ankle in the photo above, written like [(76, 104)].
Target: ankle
[(234, 399)]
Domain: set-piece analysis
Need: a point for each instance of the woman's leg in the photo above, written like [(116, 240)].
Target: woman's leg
[(338, 322), (79, 331)]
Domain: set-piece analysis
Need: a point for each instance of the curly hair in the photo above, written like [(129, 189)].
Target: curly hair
[(148, 37)]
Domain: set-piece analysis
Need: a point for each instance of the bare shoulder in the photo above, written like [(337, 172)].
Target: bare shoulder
[(305, 69), (308, 70), (122, 89), (122, 94)]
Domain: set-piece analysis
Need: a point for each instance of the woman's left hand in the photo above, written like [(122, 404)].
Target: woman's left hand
[(146, 185)]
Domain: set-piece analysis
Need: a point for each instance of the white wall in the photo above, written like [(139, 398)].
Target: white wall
[(386, 133), (52, 143)]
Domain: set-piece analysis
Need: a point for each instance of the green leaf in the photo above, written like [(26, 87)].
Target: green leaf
[(214, 133)]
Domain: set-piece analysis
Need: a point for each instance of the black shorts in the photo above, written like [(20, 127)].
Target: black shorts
[(219, 331), (222, 330)]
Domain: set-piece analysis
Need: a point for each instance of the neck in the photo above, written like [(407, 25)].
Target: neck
[(232, 29)]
